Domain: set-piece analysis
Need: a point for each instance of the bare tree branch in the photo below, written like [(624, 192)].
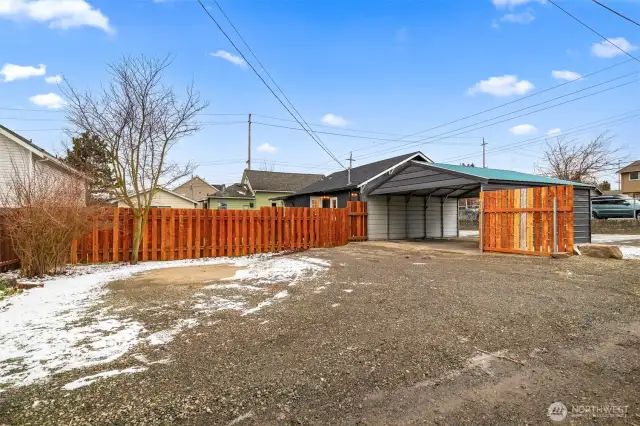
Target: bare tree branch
[(140, 120)]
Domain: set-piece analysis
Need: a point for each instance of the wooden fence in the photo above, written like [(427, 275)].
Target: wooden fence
[(8, 258), (521, 220), (357, 220), (171, 234)]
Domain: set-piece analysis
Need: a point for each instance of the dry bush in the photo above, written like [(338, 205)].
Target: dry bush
[(44, 210)]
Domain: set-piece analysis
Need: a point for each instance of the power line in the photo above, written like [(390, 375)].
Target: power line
[(594, 31), (309, 131), (344, 135), (440, 137), (616, 12), (609, 121)]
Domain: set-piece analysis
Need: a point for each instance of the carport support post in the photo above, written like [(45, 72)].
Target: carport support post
[(555, 225), (425, 217), (442, 217)]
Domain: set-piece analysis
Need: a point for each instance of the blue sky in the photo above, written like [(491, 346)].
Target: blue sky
[(391, 67)]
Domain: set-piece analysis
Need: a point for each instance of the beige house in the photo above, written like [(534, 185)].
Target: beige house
[(197, 188), (163, 198), (630, 179), (21, 159)]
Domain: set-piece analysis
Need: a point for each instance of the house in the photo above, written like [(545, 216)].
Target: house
[(233, 197), (197, 188), (266, 186), (335, 190), (163, 198), (630, 179), (19, 157)]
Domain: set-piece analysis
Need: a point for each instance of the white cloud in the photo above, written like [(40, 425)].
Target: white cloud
[(333, 120), (565, 75), (12, 72), (554, 132), (501, 4), (523, 129), (50, 100), (507, 85), (606, 50), (53, 79), (265, 147), (519, 18), (230, 57), (63, 14)]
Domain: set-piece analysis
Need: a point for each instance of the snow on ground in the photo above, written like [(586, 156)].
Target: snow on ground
[(630, 252), (612, 238), (57, 328), (85, 381)]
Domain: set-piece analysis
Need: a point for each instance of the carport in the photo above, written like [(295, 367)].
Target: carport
[(419, 200)]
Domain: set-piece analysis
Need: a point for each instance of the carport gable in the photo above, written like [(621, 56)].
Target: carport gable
[(421, 178)]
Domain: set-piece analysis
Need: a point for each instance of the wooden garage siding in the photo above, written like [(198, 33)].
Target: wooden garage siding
[(377, 208)]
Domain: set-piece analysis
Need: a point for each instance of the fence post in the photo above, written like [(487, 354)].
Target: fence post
[(555, 224), (480, 222)]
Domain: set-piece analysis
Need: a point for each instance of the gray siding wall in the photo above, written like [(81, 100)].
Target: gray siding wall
[(407, 220), (581, 216)]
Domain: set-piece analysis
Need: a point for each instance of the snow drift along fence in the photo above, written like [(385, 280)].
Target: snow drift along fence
[(521, 220), (192, 233)]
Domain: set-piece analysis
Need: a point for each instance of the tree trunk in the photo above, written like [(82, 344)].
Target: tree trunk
[(137, 237)]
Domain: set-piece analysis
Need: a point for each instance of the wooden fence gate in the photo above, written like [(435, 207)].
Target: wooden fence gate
[(357, 220), (522, 221)]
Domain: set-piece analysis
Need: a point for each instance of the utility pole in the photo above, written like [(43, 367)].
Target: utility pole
[(619, 176), (484, 154), (249, 145), (350, 160)]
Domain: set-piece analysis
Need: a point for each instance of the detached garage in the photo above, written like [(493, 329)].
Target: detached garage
[(420, 200)]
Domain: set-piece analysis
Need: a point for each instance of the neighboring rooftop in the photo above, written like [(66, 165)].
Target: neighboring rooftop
[(236, 190), (339, 180), (279, 181), (633, 167), (505, 175)]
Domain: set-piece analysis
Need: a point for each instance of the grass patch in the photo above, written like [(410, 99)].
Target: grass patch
[(6, 289)]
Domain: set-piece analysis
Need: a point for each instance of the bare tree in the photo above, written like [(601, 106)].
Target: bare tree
[(267, 167), (578, 162), (140, 120)]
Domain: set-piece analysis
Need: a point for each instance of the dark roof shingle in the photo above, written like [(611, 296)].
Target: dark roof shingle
[(279, 181), (339, 180), (633, 167), (236, 190)]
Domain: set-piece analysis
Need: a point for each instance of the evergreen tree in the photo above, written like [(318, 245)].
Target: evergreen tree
[(89, 155)]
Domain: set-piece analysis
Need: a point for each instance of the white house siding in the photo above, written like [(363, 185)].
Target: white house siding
[(408, 220), (12, 157), (164, 199)]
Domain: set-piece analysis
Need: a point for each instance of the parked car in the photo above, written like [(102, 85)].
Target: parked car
[(615, 206)]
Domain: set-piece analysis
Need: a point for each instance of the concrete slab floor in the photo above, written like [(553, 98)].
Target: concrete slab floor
[(451, 245)]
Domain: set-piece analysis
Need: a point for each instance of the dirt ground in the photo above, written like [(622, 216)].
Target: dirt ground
[(389, 334)]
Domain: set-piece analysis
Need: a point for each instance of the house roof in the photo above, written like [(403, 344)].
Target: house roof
[(505, 175), (161, 189), (278, 181), (198, 178), (236, 190), (26, 143), (633, 167), (359, 175)]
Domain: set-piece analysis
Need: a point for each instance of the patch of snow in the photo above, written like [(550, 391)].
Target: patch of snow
[(630, 252), (143, 359), (347, 290), (86, 381), (469, 233), (233, 286), (241, 418), (335, 305), (612, 238), (281, 295), (51, 329), (278, 269), (214, 304), (166, 336), (418, 263), (258, 307)]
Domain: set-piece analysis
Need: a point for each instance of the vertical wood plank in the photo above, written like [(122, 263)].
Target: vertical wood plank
[(569, 219), (258, 220), (230, 237), (561, 218), (145, 240), (305, 228), (529, 220), (197, 238), (245, 235), (213, 223), (272, 230), (252, 231), (266, 221), (222, 228), (153, 215), (115, 230)]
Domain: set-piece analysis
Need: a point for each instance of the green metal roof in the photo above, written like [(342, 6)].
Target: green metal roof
[(506, 175)]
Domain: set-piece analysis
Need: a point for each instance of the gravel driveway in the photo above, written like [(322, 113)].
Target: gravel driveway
[(384, 335)]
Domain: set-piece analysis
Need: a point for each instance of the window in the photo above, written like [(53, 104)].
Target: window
[(222, 205), (334, 203), (251, 205), (634, 176), (315, 202), (274, 204)]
